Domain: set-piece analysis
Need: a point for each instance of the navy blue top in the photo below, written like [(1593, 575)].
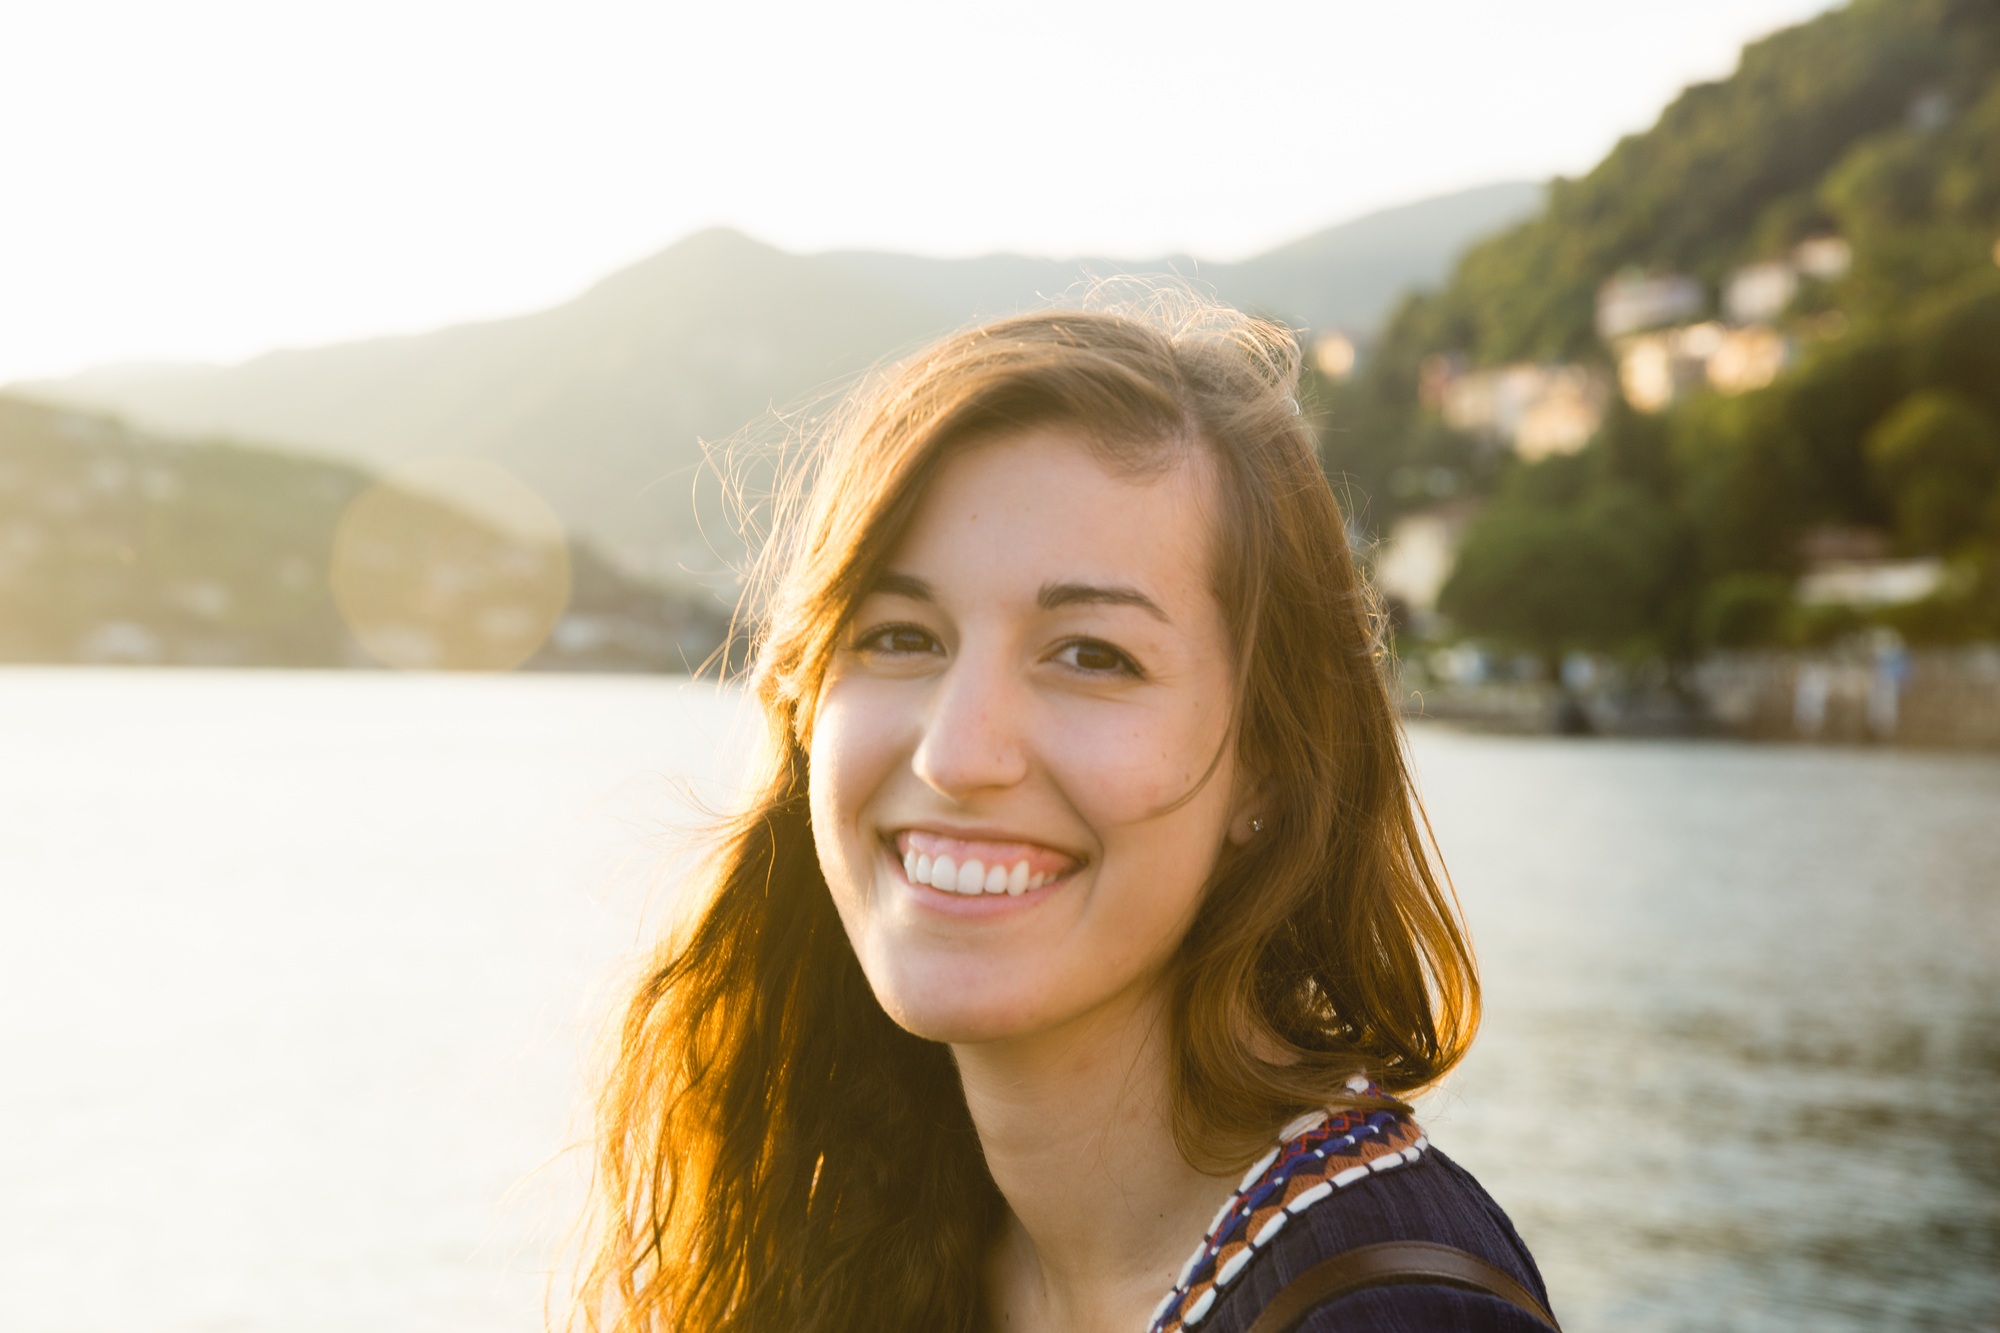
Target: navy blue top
[(1432, 1199)]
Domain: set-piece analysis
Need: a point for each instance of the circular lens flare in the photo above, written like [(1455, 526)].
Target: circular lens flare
[(450, 564)]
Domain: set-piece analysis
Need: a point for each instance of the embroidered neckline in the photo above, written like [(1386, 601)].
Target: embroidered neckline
[(1317, 1155)]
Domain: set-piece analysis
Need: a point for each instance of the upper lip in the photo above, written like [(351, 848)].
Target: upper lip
[(980, 833)]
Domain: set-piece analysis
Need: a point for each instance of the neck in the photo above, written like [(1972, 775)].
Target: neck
[(1077, 1129)]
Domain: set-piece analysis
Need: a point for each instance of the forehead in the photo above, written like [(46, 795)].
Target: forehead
[(1044, 504)]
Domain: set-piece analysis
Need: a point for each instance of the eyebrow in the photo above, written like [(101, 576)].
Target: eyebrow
[(1052, 595), (903, 585)]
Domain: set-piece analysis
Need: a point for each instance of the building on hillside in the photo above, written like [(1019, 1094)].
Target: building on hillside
[(1536, 410), (1413, 562), (1658, 366), (1870, 583), (1656, 370), (1565, 416), (1823, 258), (1850, 566), (1759, 293), (1490, 403), (1749, 358), (1634, 301)]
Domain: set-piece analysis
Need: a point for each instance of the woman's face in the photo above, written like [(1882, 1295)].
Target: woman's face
[(1012, 793)]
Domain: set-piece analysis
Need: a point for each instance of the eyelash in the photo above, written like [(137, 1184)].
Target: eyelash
[(1126, 666), (877, 640)]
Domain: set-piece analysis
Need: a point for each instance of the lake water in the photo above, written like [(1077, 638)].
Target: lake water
[(296, 971)]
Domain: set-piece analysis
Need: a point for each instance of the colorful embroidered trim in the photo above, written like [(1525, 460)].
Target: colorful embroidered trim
[(1316, 1155)]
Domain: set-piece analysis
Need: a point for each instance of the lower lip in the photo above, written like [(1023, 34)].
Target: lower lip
[(971, 904)]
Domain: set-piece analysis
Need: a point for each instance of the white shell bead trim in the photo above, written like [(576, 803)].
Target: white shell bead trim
[(1256, 1244), (1270, 1229), (1309, 1198)]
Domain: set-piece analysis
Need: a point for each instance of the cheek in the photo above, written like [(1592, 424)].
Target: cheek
[(1131, 768), (852, 752)]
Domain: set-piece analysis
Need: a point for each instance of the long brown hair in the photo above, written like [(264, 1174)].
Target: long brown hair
[(776, 1155)]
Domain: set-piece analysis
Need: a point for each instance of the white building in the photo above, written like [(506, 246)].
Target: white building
[(1414, 560), (1759, 293), (1823, 258), (1656, 370), (1748, 359), (1634, 301), (1536, 410), (1565, 416), (1865, 583)]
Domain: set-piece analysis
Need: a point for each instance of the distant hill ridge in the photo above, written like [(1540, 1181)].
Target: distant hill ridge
[(601, 403)]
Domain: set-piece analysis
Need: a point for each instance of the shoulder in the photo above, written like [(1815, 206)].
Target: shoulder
[(1432, 1199), (1349, 1181)]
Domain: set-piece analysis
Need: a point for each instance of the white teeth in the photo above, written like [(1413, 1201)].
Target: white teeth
[(973, 877)]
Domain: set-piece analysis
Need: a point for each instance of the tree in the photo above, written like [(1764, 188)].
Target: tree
[(1550, 576), (1937, 457)]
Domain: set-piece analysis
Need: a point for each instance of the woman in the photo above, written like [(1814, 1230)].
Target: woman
[(1083, 869)]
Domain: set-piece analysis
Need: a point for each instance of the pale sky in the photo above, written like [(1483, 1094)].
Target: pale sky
[(205, 180)]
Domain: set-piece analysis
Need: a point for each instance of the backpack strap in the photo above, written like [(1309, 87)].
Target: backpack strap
[(1392, 1263)]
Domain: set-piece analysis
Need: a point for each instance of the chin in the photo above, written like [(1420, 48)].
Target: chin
[(960, 1009)]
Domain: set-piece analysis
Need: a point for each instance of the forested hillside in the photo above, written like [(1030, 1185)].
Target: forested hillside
[(1874, 128), (117, 546)]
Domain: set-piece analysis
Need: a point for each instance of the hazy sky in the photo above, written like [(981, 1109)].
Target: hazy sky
[(196, 179)]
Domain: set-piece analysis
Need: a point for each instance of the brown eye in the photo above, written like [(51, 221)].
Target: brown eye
[(1098, 658), (899, 639)]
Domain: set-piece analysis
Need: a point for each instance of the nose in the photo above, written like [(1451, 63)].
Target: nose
[(973, 736)]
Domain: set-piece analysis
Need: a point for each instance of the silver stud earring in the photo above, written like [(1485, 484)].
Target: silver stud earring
[(1256, 826)]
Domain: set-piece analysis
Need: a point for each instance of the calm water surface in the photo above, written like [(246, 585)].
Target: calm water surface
[(296, 971)]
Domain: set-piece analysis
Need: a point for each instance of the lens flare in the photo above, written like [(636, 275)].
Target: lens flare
[(450, 564)]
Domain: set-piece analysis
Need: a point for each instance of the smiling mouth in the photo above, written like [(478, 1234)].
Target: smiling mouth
[(975, 867)]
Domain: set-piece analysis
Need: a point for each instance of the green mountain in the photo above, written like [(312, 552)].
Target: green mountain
[(1839, 124), (119, 546), (601, 403), (1666, 534)]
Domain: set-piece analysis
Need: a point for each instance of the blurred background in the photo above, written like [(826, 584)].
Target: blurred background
[(384, 396)]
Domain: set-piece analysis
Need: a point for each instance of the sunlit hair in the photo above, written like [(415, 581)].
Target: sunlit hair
[(776, 1155)]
